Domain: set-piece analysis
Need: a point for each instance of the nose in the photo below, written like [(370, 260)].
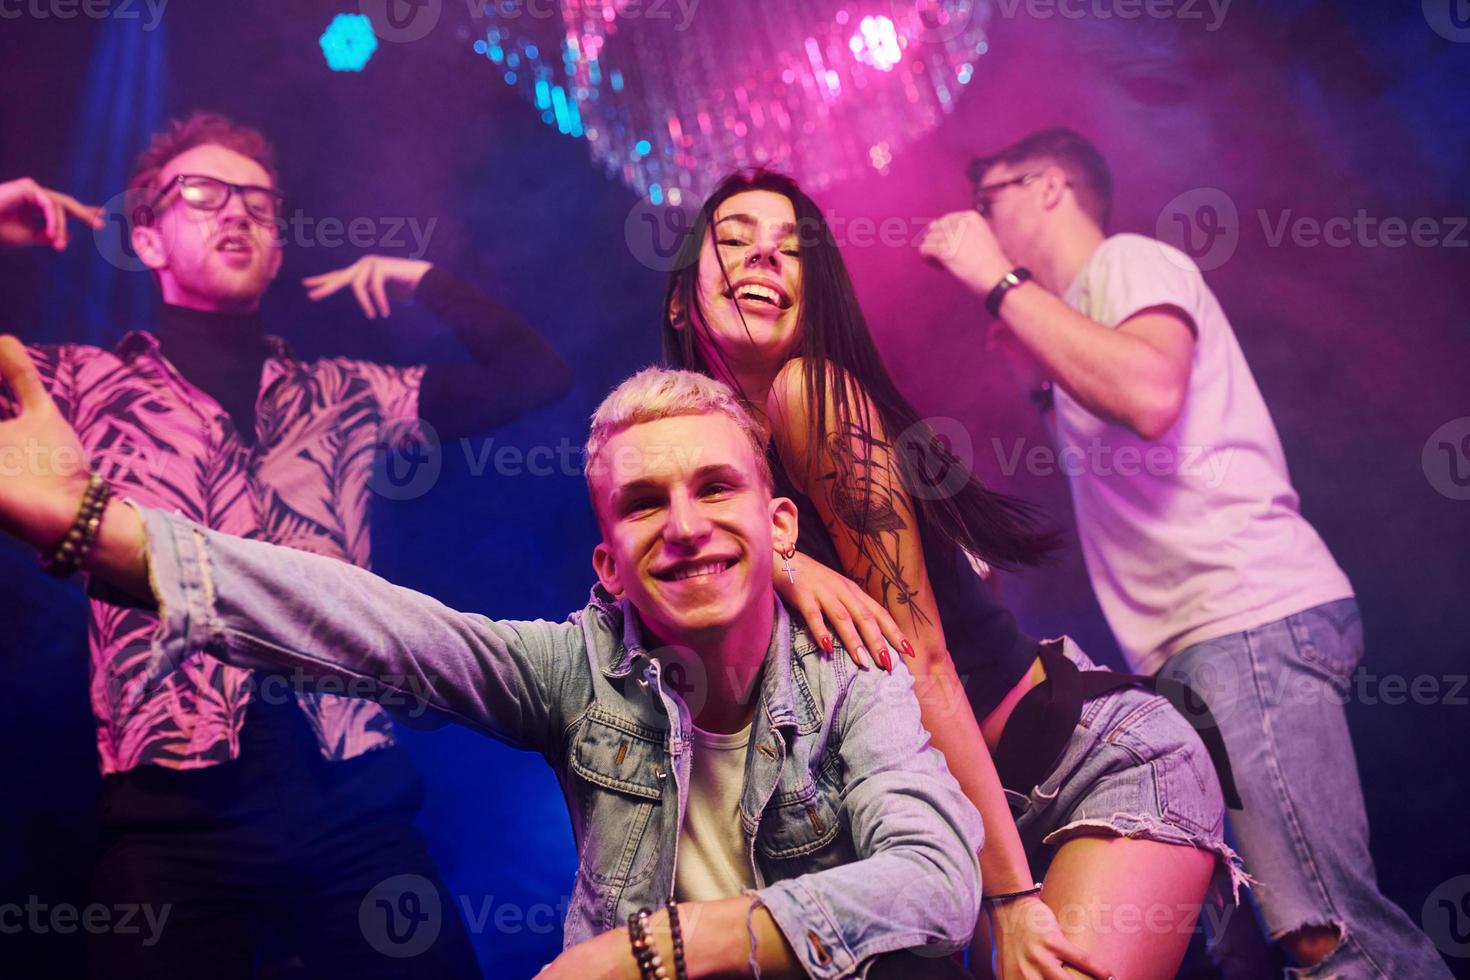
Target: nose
[(686, 524), (764, 255), (234, 210)]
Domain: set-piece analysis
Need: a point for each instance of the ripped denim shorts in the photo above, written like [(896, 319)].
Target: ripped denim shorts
[(1133, 768)]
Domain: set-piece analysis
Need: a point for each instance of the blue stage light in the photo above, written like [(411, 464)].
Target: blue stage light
[(348, 42)]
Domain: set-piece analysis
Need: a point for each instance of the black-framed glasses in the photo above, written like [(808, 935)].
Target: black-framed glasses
[(211, 194), (984, 192)]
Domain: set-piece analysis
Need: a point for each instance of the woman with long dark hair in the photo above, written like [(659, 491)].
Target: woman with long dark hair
[(1106, 779)]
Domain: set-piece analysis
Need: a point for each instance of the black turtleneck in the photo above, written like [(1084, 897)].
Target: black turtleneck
[(221, 354)]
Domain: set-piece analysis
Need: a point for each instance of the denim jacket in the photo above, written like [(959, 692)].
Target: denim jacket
[(859, 839)]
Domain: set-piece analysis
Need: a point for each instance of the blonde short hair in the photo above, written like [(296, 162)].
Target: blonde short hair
[(660, 393)]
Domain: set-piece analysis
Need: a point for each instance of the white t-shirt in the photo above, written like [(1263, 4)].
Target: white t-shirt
[(1198, 534), (713, 862)]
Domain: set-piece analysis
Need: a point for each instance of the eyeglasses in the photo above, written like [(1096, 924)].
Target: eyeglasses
[(212, 194), (983, 192)]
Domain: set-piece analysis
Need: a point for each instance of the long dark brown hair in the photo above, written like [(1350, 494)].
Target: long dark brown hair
[(838, 349)]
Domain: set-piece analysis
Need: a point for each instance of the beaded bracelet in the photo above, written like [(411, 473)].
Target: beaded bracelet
[(82, 534), (650, 964), (681, 972)]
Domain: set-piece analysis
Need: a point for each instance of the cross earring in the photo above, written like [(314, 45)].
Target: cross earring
[(786, 557)]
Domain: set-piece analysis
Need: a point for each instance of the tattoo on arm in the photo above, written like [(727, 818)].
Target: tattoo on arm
[(865, 502)]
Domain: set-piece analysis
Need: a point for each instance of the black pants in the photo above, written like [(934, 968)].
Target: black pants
[(280, 841)]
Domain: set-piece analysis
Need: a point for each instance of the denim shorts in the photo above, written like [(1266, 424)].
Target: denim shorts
[(1134, 768)]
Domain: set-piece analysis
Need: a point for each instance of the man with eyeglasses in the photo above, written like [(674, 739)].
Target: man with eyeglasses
[(1190, 527), (231, 799)]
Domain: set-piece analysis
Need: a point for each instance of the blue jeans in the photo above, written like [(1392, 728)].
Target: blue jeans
[(1278, 692)]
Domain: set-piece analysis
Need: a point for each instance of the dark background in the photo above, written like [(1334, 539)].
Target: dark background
[(1319, 108)]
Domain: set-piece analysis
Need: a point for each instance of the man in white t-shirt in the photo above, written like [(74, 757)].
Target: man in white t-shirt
[(1200, 558)]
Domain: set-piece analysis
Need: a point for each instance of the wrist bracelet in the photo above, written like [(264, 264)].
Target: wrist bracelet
[(650, 964), (681, 971), (1004, 897), (82, 534), (1010, 281)]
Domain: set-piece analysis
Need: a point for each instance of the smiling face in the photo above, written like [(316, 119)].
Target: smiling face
[(752, 269), (688, 522), (218, 261)]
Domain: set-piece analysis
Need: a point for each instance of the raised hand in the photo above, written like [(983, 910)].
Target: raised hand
[(34, 215), (374, 280), (43, 467), (963, 244)]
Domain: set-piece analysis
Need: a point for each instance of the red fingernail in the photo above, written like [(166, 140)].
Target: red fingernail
[(886, 660), (827, 645), (908, 648)]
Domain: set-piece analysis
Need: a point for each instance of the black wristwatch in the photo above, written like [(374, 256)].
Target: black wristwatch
[(1012, 279)]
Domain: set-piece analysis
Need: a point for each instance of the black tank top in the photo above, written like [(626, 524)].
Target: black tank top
[(990, 651)]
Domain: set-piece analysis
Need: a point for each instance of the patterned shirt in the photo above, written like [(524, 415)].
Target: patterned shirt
[(303, 483)]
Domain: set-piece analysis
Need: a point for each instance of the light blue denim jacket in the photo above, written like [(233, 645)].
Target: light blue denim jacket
[(860, 840)]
